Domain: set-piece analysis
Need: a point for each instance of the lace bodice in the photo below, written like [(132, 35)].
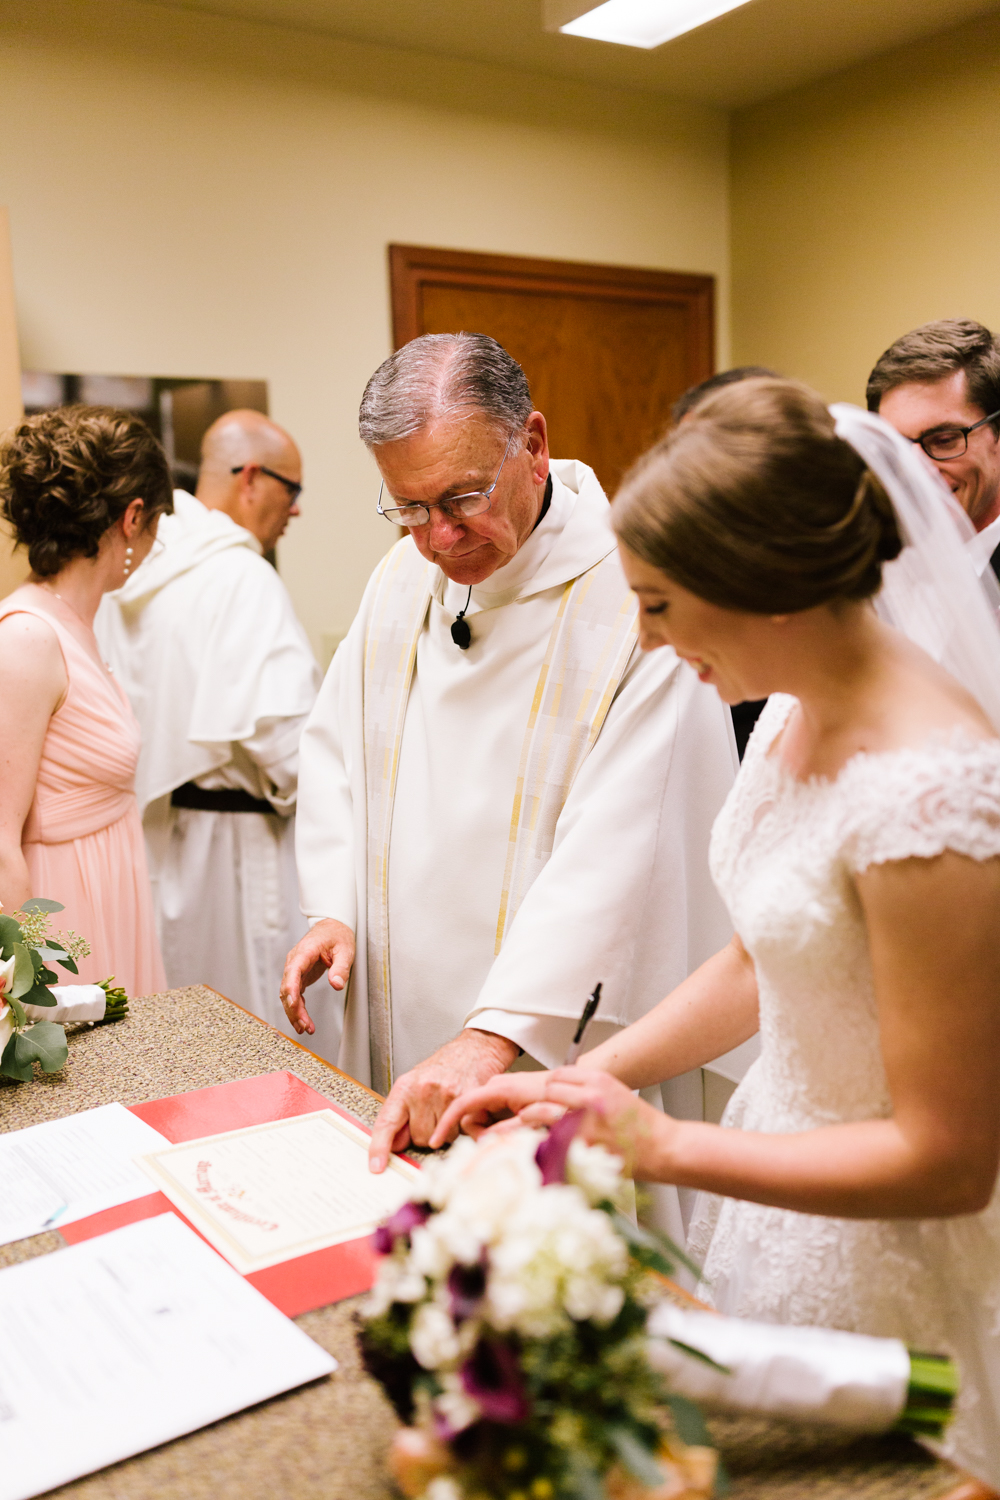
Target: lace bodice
[(784, 855)]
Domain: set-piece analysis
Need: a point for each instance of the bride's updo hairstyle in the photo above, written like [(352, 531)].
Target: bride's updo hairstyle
[(66, 477), (753, 503)]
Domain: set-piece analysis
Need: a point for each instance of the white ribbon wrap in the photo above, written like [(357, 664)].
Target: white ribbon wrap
[(74, 1002), (809, 1374)]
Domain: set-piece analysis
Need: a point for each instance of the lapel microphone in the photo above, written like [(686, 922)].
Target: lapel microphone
[(461, 633)]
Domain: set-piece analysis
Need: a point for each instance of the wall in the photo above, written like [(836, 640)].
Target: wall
[(865, 205), (197, 196)]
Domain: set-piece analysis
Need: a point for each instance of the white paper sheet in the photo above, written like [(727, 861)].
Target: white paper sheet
[(129, 1340), (63, 1170), (270, 1192)]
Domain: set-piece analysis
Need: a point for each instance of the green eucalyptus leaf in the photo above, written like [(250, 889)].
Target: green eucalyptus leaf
[(11, 1066), (20, 1019), (68, 963), (636, 1456), (706, 1359), (24, 971), (37, 962), (40, 903), (44, 1043), (39, 995), (51, 952), (46, 977), (689, 1422), (10, 933)]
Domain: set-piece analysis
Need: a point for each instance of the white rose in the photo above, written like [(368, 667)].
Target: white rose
[(433, 1337), (397, 1280), (458, 1408), (595, 1170)]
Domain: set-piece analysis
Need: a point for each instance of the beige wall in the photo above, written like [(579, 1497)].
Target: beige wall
[(12, 566), (865, 205), (198, 196)]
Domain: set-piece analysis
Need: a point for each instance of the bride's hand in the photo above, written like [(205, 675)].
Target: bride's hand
[(614, 1117), (477, 1109)]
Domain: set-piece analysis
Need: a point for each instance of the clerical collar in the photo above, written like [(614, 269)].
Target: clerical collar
[(545, 505)]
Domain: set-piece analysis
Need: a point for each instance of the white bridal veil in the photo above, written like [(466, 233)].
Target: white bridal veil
[(932, 591)]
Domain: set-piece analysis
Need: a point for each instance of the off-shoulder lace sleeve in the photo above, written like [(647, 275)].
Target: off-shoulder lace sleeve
[(917, 803)]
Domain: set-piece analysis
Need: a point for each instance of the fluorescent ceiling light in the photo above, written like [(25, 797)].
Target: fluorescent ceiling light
[(646, 23)]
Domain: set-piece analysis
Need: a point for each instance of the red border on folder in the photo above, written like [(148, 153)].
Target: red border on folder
[(296, 1286)]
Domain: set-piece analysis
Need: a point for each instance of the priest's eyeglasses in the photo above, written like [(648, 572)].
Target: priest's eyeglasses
[(950, 442), (456, 507), (291, 485)]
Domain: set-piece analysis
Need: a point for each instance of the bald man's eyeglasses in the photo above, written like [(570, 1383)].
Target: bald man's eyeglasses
[(294, 489)]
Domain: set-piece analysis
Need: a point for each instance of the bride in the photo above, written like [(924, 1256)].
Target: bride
[(851, 1183)]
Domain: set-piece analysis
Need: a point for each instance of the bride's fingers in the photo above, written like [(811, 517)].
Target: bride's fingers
[(541, 1114), (507, 1091)]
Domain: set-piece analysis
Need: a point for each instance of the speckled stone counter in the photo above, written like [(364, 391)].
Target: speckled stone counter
[(328, 1441)]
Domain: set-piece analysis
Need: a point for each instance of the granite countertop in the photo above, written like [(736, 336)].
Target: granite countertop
[(328, 1441)]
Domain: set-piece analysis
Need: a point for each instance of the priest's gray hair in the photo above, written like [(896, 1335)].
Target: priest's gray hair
[(443, 375)]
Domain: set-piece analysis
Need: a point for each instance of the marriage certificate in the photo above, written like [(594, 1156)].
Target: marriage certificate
[(271, 1192)]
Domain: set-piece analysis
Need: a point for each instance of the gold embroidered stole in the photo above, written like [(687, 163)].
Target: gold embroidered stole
[(587, 653)]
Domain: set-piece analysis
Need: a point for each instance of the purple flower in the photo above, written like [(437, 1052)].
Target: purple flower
[(466, 1285), (492, 1376), (401, 1224), (553, 1151)]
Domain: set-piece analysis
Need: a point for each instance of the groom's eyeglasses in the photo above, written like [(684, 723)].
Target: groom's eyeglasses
[(950, 442), (456, 508)]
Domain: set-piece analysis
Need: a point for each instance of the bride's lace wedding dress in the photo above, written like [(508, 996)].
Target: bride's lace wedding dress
[(783, 856)]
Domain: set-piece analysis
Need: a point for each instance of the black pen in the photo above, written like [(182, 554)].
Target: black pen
[(576, 1044)]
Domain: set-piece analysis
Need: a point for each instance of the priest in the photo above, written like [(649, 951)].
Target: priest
[(502, 801), (220, 673)]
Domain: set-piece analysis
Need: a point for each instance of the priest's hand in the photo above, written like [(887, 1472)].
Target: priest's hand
[(327, 948), (419, 1098)]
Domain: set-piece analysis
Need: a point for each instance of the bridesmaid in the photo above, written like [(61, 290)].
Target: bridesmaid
[(83, 489)]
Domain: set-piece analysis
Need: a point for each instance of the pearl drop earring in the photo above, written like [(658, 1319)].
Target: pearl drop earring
[(128, 561)]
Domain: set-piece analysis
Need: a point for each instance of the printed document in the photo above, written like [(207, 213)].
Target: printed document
[(270, 1192), (129, 1340), (67, 1169)]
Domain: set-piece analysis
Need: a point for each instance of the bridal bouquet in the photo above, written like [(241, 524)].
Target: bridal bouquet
[(28, 990), (507, 1324)]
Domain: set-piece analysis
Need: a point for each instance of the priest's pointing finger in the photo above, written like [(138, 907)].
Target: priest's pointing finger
[(391, 1132), (329, 948)]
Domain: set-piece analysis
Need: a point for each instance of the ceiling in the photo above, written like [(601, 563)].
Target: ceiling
[(763, 48)]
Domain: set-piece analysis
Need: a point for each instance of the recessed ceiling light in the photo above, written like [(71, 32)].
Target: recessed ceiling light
[(646, 23)]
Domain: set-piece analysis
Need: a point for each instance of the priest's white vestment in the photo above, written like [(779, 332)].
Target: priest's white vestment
[(492, 875), (204, 639)]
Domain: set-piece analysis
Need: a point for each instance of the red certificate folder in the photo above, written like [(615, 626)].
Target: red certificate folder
[(298, 1285)]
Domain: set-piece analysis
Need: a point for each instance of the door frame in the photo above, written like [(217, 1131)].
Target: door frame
[(413, 267)]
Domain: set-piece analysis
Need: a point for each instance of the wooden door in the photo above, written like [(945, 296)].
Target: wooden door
[(607, 349)]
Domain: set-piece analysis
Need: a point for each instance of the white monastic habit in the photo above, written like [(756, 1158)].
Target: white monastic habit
[(204, 639), (531, 816)]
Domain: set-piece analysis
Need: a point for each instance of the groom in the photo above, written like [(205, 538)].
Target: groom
[(940, 387)]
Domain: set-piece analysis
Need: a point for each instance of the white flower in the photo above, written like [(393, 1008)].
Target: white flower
[(477, 1193), (595, 1171), (558, 1259), (442, 1488), (458, 1408), (433, 1337), (397, 1280), (7, 967)]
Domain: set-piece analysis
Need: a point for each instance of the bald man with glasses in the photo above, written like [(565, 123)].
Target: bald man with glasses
[(221, 676), (939, 386)]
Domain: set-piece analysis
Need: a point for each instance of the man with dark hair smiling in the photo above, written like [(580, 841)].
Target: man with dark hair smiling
[(940, 387)]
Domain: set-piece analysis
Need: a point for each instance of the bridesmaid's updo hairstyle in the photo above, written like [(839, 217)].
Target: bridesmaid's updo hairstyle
[(68, 475), (753, 503)]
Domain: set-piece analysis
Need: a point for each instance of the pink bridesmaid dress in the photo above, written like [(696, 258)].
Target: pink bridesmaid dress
[(82, 840)]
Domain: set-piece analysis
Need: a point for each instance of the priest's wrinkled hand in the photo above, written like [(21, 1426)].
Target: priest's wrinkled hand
[(327, 948), (417, 1101)]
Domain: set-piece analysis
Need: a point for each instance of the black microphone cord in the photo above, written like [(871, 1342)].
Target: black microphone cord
[(461, 634)]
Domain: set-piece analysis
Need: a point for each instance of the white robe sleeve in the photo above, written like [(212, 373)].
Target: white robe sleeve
[(626, 897), (326, 841)]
